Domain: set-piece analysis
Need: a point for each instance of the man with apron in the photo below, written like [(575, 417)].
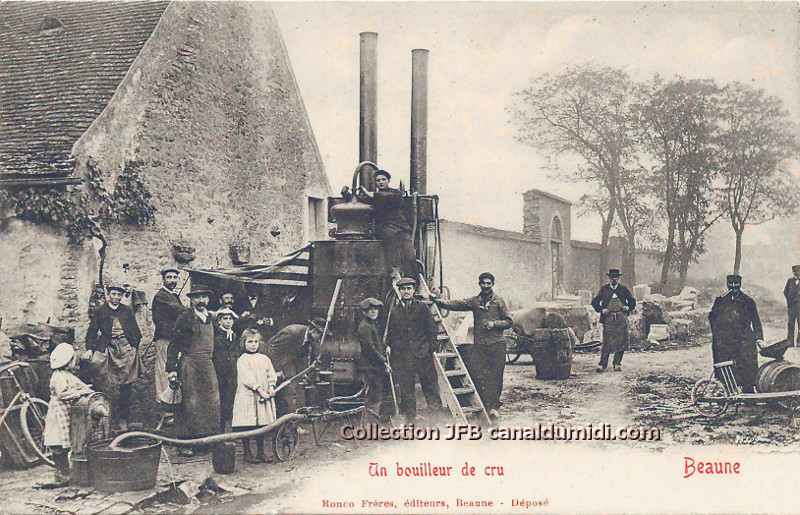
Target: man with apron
[(166, 308), (190, 360), (113, 338), (614, 302)]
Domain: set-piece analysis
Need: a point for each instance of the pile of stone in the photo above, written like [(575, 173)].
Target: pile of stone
[(680, 313)]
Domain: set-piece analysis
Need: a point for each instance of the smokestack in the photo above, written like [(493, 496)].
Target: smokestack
[(419, 121), (368, 119)]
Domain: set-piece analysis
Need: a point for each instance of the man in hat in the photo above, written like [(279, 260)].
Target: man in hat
[(486, 358), (256, 314), (291, 351), (166, 308), (113, 338), (735, 333), (411, 336), (375, 361), (792, 293), (391, 226), (614, 302), (190, 360)]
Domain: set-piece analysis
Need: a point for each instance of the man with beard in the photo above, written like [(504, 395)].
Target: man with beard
[(113, 338), (190, 360), (792, 293), (736, 332), (166, 308), (391, 226), (486, 358), (614, 302)]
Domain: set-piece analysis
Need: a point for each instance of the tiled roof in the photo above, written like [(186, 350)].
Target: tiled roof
[(60, 63)]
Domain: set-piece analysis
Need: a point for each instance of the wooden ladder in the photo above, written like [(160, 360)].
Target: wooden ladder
[(455, 385)]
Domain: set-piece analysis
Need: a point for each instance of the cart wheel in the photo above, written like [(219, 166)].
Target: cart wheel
[(710, 398), (284, 443), (32, 416)]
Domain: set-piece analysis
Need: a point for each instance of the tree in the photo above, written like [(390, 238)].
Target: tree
[(677, 124), (756, 144), (586, 112)]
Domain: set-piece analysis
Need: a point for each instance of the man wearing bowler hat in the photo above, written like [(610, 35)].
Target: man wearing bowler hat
[(391, 226), (411, 336), (190, 360), (614, 302), (486, 358), (792, 293), (112, 343), (166, 308), (736, 332)]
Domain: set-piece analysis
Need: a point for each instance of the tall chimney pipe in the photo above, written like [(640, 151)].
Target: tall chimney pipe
[(419, 121), (368, 119)]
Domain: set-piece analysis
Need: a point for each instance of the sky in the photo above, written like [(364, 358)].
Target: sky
[(482, 53)]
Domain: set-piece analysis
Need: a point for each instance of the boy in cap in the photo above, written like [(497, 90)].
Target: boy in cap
[(391, 226), (374, 361), (736, 332), (411, 334), (226, 352), (113, 338), (614, 302), (792, 293)]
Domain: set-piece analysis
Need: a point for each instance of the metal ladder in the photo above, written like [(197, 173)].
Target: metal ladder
[(455, 385)]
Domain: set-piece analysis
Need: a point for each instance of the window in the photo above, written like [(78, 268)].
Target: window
[(557, 255), (50, 23), (317, 219)]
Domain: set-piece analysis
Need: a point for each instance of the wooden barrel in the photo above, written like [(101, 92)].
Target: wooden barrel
[(778, 376), (124, 469)]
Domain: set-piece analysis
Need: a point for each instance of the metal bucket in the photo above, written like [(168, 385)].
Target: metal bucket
[(778, 376), (134, 466)]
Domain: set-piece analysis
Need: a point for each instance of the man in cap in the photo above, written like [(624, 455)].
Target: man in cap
[(391, 226), (792, 293), (291, 351), (614, 302), (486, 358), (735, 333), (256, 313), (113, 338), (190, 360), (166, 308), (411, 336), (375, 361)]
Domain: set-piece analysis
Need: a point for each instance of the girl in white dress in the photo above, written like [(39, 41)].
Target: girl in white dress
[(254, 404)]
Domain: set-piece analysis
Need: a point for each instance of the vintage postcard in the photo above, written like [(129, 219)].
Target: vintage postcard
[(399, 257)]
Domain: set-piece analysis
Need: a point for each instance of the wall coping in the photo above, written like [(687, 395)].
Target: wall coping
[(490, 232), (548, 195)]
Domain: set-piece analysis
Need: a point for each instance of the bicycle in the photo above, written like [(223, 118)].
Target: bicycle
[(32, 414)]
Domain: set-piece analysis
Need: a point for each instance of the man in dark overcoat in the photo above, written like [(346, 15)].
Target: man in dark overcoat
[(411, 336), (256, 314), (391, 226), (614, 302), (736, 331), (486, 358), (113, 338), (166, 308), (792, 293), (190, 361)]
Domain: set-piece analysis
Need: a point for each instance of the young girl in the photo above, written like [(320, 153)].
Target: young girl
[(254, 405), (65, 388)]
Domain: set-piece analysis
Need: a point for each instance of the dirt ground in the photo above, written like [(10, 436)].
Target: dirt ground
[(652, 390)]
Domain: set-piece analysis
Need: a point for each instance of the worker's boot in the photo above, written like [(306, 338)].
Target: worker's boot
[(61, 462)]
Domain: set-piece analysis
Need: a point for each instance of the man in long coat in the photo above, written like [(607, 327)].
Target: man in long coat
[(411, 336), (190, 360), (166, 308), (792, 293), (736, 329), (391, 226), (486, 359), (614, 302), (113, 338)]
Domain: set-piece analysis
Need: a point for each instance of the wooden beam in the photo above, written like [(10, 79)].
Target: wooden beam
[(40, 181)]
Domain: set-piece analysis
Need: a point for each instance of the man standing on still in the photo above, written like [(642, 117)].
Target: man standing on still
[(614, 302), (486, 360), (113, 337), (190, 360), (167, 306), (411, 336), (792, 293), (735, 333)]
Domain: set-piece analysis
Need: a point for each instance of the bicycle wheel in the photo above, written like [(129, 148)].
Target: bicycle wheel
[(284, 442), (32, 416)]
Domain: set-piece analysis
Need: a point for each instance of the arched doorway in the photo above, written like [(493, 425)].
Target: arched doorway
[(557, 255)]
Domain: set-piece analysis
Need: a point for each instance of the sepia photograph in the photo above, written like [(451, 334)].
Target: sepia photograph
[(419, 257)]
